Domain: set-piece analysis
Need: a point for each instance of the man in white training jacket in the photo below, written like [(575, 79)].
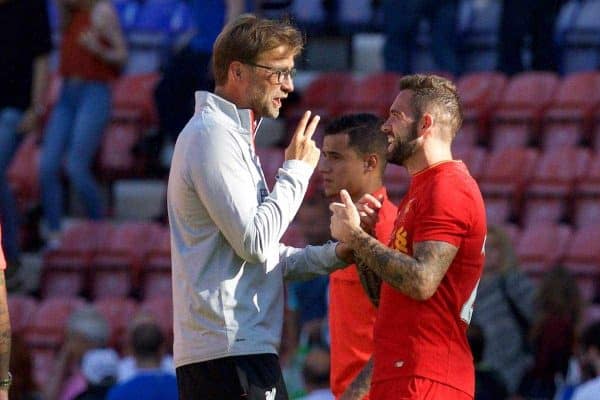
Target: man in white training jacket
[(228, 264)]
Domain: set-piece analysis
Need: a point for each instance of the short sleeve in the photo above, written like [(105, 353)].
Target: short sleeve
[(443, 214)]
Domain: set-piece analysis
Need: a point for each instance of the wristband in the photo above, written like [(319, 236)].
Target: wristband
[(5, 383)]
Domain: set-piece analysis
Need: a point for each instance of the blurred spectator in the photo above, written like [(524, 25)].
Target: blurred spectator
[(128, 365), (91, 56), (488, 383), (21, 366), (150, 382), (24, 44), (558, 311), (188, 70), (86, 329), (99, 367), (590, 343), (401, 19), (308, 298), (316, 375), (528, 19), (504, 310)]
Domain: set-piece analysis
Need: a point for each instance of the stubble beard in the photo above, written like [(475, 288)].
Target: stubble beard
[(260, 104), (404, 149)]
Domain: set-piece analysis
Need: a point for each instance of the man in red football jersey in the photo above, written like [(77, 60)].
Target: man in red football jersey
[(353, 158), (433, 264)]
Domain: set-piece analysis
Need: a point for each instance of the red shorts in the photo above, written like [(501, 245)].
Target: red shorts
[(415, 388)]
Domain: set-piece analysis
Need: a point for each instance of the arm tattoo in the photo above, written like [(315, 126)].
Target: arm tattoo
[(361, 385), (418, 277)]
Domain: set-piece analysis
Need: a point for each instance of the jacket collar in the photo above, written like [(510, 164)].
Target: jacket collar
[(241, 117)]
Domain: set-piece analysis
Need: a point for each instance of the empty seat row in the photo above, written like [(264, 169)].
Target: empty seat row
[(539, 247), (531, 108), (101, 259)]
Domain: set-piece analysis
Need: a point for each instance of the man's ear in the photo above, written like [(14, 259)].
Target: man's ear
[(426, 122), (371, 162), (236, 70)]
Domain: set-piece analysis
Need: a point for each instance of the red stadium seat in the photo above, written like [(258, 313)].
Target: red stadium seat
[(271, 159), (479, 93), (587, 194), (21, 309), (516, 118), (155, 278), (507, 171), (569, 118), (586, 211), (552, 184), (159, 255), (542, 210), (473, 157), (541, 246), (116, 159), (65, 269), (558, 170), (505, 174), (374, 94), (48, 323), (321, 96), (498, 210), (133, 99), (118, 312), (117, 264), (582, 258), (595, 140), (589, 184)]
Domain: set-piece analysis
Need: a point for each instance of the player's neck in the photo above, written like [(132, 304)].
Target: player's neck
[(428, 156), (371, 187)]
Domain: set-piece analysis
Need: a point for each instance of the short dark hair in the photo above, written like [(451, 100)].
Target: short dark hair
[(147, 340), (433, 90), (247, 37), (364, 134), (591, 336)]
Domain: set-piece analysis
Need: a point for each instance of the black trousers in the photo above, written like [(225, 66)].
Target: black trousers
[(249, 377)]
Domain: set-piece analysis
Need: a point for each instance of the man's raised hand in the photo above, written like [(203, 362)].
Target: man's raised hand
[(344, 218), (302, 146)]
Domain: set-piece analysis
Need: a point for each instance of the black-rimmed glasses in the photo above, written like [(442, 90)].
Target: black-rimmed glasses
[(278, 73)]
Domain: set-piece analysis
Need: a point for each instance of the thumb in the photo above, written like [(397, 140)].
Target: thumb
[(346, 199)]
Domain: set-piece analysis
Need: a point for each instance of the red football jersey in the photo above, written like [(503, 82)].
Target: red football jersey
[(351, 313), (428, 338)]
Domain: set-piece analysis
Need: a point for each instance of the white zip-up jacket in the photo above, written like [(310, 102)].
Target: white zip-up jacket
[(228, 264)]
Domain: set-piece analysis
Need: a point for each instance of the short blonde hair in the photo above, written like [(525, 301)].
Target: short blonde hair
[(247, 37)]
